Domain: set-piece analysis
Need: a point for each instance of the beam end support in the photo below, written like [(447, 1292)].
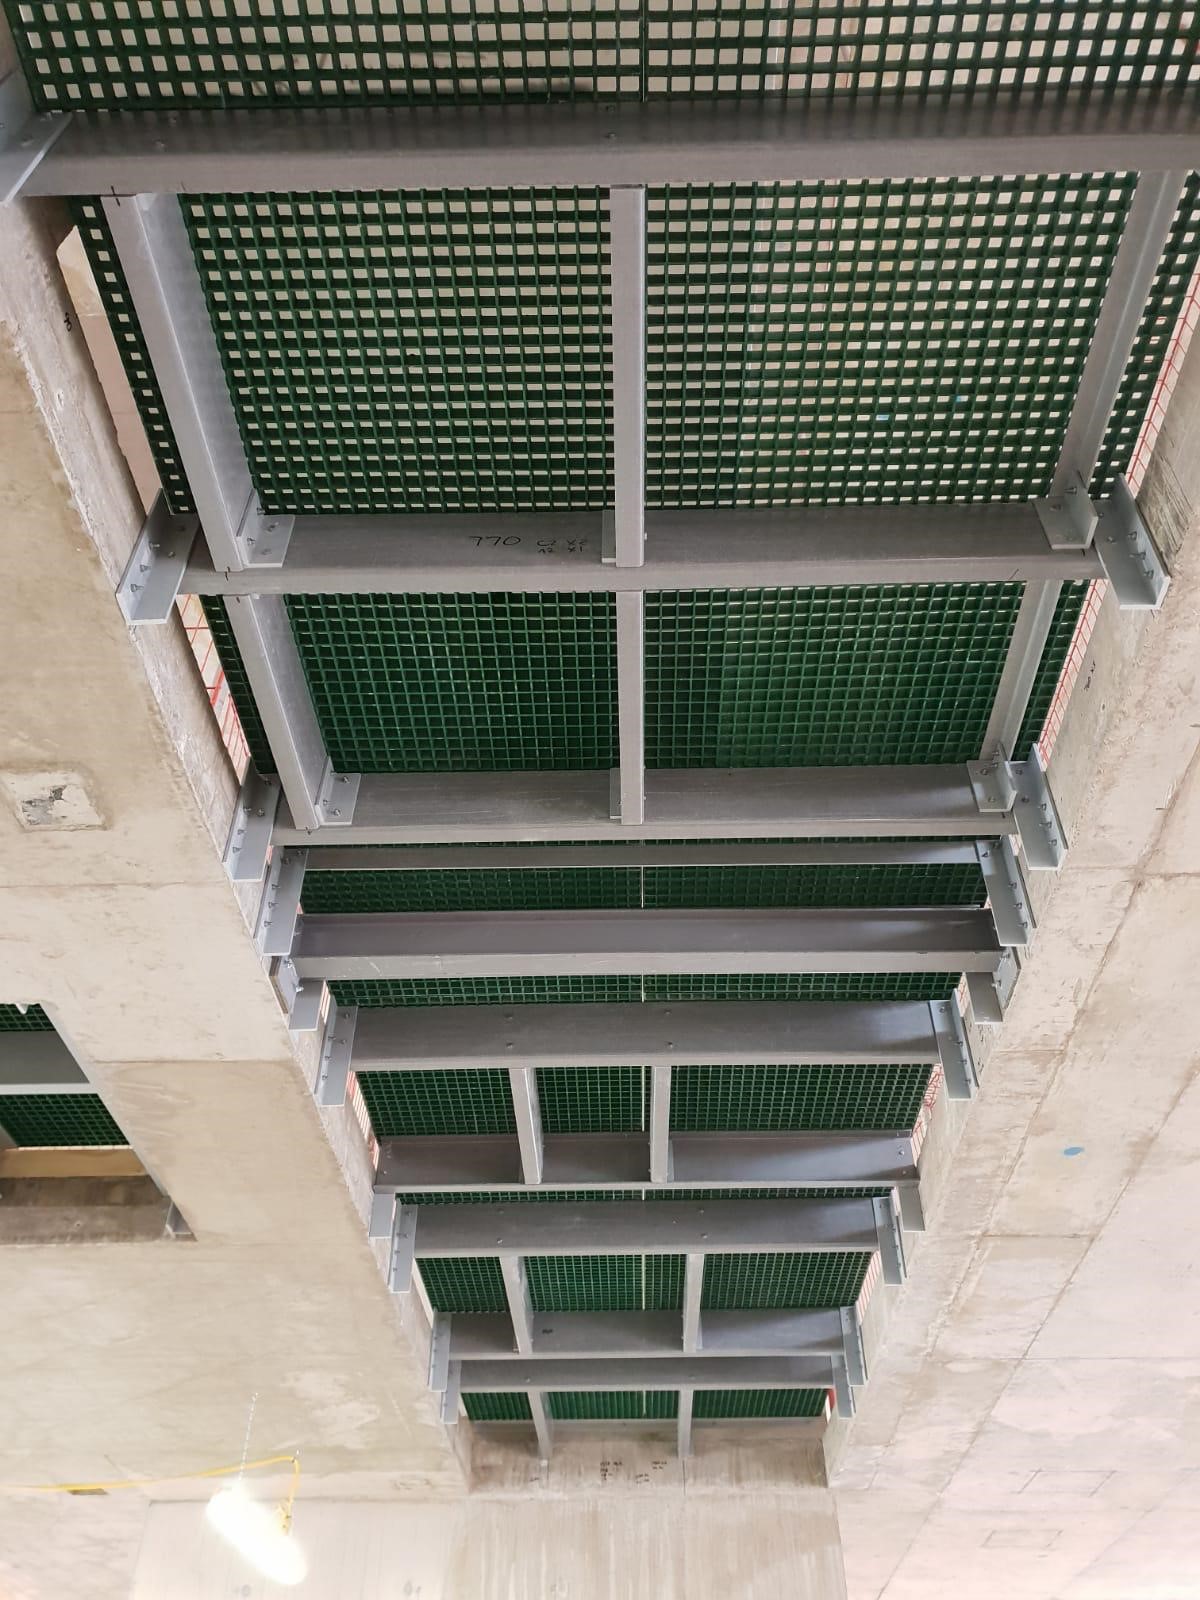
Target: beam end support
[(1129, 555)]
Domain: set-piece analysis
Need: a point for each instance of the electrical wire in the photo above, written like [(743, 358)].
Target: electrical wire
[(139, 1483)]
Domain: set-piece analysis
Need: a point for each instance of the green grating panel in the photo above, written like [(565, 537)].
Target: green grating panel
[(1058, 646), (461, 683), (770, 1099), (808, 1280), (31, 1020), (539, 1196), (407, 1104), (870, 341), (655, 888), (58, 1119), (109, 55), (709, 1404), (497, 1407), (847, 986), (417, 351), (471, 1284), (216, 615), (594, 1099), (825, 676), (605, 1283), (618, 1405)]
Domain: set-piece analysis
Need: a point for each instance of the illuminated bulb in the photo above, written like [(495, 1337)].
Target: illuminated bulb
[(258, 1533)]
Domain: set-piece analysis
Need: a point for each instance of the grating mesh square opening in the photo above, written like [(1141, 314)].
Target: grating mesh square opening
[(727, 1403), (32, 1020), (605, 1283), (564, 990), (628, 1405), (69, 1120), (497, 1407), (464, 1283), (778, 1099), (807, 1280), (434, 1103), (594, 1099)]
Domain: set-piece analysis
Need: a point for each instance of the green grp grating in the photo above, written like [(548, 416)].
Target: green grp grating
[(454, 683), (470, 1284), (652, 888), (617, 1405), (435, 1103), (31, 1020), (540, 1196), (216, 614), (413, 351), (594, 1099), (68, 1120), (1058, 647), (710, 1404), (824, 676), (497, 1407), (846, 986), (779, 1099), (800, 1281), (157, 55), (605, 1283)]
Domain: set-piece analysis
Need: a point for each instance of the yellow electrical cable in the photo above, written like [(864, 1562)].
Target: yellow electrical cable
[(138, 1483)]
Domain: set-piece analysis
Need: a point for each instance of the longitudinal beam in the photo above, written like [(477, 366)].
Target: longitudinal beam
[(649, 1335), (557, 552), (692, 1372), (507, 944), (623, 143), (617, 1160), (712, 1032), (659, 1227), (741, 803)]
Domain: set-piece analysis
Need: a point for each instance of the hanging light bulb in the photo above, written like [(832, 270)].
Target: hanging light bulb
[(260, 1533)]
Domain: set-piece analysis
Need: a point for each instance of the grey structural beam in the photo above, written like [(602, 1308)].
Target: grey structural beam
[(652, 1335), (683, 1423), (627, 800), (527, 1113), (39, 1063), (619, 1160), (660, 1154), (691, 1372), (502, 944), (520, 1309), (627, 313), (754, 853), (658, 1227), (25, 135), (731, 547), (651, 1033), (1026, 649), (693, 1295), (927, 802), (624, 143)]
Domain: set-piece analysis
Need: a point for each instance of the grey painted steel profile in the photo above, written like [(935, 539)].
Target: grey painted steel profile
[(660, 1125), (39, 1063), (630, 780), (1026, 648), (842, 1391), (659, 1227), (337, 1048), (402, 1254), (927, 802), (527, 1113), (683, 1423), (891, 1240), (1043, 839), (1131, 559), (601, 1335), (691, 1372), (693, 1295), (650, 1033), (382, 1215), (1011, 907), (541, 1425), (275, 928), (623, 1160), (730, 547), (25, 134), (853, 1347), (954, 1048), (611, 144), (627, 273), (251, 827), (154, 572), (451, 1395), (536, 943), (752, 853), (520, 1309), (164, 285)]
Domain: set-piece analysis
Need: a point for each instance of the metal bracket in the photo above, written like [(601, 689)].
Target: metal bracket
[(25, 134), (1128, 554), (853, 1349), (250, 831), (154, 572), (842, 1390), (264, 537), (954, 1048), (280, 904), (1069, 519), (382, 1219), (991, 991), (1011, 910), (912, 1212), (337, 797), (403, 1253), (337, 1049), (302, 999), (439, 1353), (1041, 829), (992, 782), (891, 1243), (608, 538), (448, 1407)]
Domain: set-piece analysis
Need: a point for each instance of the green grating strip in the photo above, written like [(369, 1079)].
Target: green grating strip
[(847, 986), (594, 1099), (497, 1407), (108, 56), (655, 888), (216, 615), (770, 1099), (605, 1283), (454, 683), (539, 1196), (31, 1020), (808, 1280), (710, 1404), (618, 1405), (470, 1284), (408, 1104), (825, 676), (415, 351), (1058, 645), (70, 1120)]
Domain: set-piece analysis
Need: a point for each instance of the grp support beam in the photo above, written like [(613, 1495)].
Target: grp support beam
[(627, 313), (682, 1372), (617, 1160), (537, 943), (651, 1335), (659, 1227), (927, 802), (39, 1063), (617, 144), (652, 1033), (731, 547)]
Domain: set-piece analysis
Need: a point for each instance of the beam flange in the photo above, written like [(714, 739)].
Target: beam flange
[(537, 943), (627, 269)]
